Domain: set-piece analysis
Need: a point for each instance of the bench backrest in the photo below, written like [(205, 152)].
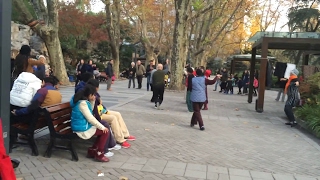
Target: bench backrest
[(59, 118)]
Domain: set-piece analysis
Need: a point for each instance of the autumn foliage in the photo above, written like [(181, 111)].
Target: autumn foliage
[(82, 26)]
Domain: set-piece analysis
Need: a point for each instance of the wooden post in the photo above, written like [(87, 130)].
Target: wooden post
[(262, 76), (252, 68), (233, 64), (5, 51), (306, 59)]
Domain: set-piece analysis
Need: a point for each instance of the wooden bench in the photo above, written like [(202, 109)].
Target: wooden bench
[(58, 118), (37, 122)]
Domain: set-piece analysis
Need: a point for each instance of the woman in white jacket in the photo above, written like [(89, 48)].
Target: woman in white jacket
[(23, 90)]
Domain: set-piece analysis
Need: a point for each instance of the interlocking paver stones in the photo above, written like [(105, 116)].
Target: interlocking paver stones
[(299, 177), (196, 167), (212, 175), (173, 171), (236, 139), (239, 178), (176, 165), (154, 165), (217, 169), (283, 177), (195, 174), (261, 175), (130, 166), (137, 160), (224, 177), (239, 172)]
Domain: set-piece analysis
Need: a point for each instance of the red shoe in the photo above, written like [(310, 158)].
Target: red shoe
[(131, 138), (125, 145), (99, 156), (91, 152)]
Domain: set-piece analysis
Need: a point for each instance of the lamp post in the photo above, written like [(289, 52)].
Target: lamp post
[(5, 49)]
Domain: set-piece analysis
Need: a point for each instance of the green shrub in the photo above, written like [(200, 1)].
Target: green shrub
[(311, 115), (101, 66)]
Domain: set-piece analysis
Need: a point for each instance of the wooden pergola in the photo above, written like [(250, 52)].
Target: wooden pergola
[(308, 41), (244, 57)]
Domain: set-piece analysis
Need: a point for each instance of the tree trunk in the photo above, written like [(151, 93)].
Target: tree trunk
[(179, 52), (149, 54), (48, 33), (116, 61), (56, 57), (113, 27)]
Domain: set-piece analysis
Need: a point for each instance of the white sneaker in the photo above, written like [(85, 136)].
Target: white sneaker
[(109, 154), (116, 147)]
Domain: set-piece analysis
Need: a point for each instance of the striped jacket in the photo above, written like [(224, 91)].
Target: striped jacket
[(293, 94)]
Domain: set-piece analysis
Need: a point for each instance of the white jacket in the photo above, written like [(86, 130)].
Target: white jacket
[(24, 88)]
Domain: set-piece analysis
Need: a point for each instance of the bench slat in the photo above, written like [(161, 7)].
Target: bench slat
[(58, 107), (61, 120), (59, 127), (58, 114), (66, 131)]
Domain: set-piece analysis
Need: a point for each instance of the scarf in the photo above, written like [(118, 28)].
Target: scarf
[(289, 81)]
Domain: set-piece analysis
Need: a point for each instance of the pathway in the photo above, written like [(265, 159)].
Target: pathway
[(238, 143)]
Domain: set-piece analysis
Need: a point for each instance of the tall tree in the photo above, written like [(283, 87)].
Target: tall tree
[(113, 27), (48, 31), (152, 21), (180, 43)]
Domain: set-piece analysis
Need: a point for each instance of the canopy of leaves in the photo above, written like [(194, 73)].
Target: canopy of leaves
[(303, 19)]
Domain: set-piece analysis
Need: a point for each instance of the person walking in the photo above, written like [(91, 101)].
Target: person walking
[(152, 72), (132, 74), (148, 73), (109, 73), (140, 71), (198, 96), (158, 86), (292, 90), (282, 85), (189, 88)]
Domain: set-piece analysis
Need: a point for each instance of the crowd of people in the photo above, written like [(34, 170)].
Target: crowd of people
[(32, 88), (35, 87), (197, 80)]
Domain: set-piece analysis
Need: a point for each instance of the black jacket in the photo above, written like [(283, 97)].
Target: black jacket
[(133, 70), (148, 70), (86, 68), (109, 70)]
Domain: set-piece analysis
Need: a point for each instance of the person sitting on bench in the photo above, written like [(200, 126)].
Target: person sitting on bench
[(45, 96), (115, 120), (85, 125), (88, 77)]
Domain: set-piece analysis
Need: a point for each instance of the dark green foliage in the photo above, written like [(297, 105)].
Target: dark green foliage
[(303, 18), (102, 52), (126, 56), (101, 66), (16, 15)]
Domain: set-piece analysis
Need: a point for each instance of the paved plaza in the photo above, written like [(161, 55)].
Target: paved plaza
[(238, 143)]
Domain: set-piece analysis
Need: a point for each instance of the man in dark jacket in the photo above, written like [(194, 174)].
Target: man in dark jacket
[(158, 85), (109, 73)]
